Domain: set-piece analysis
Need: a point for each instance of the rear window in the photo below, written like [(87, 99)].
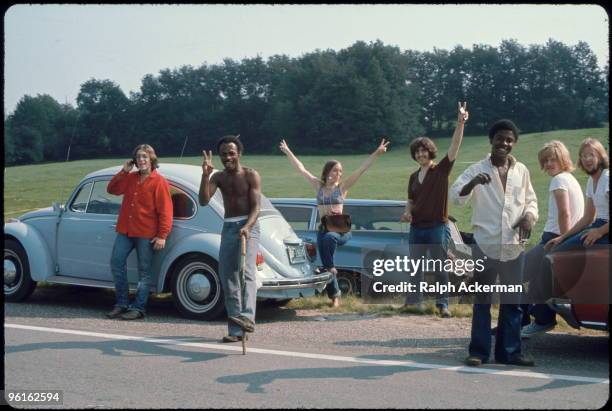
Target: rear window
[(297, 217), (376, 217)]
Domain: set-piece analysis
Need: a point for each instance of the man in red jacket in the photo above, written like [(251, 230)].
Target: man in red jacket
[(145, 220)]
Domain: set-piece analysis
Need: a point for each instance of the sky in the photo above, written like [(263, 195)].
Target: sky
[(53, 49)]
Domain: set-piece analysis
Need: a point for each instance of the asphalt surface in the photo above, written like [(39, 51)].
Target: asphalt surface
[(58, 339)]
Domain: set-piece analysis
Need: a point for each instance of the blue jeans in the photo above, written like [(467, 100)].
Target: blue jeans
[(575, 242), (508, 338), (542, 313), (121, 250), (327, 242), (435, 241), (238, 301)]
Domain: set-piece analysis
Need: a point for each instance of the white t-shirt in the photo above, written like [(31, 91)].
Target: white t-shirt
[(601, 197), (567, 182)]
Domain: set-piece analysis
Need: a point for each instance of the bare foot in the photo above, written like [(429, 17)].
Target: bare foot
[(335, 302)]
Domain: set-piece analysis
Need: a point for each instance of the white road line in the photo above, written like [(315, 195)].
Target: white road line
[(406, 363)]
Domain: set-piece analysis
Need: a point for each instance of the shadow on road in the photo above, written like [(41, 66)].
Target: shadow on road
[(125, 348), (256, 381)]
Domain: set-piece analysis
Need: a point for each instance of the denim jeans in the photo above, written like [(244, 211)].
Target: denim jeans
[(435, 241), (238, 301), (575, 242), (534, 260), (121, 250), (327, 242), (508, 338)]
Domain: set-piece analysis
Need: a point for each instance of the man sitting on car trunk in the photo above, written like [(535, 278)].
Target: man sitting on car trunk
[(241, 190)]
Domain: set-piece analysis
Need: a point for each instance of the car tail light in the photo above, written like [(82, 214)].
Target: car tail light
[(259, 261), (311, 249)]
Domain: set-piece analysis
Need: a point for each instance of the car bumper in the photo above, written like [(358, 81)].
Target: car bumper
[(563, 307), (317, 282)]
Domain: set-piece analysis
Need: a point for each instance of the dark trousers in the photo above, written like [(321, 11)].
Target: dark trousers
[(534, 266), (508, 337)]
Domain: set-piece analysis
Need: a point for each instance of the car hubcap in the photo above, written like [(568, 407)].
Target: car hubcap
[(12, 272), (198, 288)]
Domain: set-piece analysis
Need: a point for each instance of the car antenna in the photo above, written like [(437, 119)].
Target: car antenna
[(68, 151), (183, 150)]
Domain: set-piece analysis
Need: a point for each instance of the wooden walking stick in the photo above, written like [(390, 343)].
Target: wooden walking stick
[(242, 284)]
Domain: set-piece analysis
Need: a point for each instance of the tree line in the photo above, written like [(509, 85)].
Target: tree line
[(324, 101)]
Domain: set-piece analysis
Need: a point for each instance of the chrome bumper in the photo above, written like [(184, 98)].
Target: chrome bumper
[(316, 281)]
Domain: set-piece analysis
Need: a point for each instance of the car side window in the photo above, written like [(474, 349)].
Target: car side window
[(297, 217), (375, 217), (79, 204), (102, 202), (183, 206)]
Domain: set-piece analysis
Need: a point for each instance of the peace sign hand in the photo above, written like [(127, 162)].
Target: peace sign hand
[(463, 114), (284, 147), (207, 166), (382, 148)]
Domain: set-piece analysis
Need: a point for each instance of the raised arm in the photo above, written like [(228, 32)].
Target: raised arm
[(462, 117), (315, 182), (119, 182), (208, 185), (352, 179)]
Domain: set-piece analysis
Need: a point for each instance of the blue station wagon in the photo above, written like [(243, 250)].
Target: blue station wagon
[(375, 226)]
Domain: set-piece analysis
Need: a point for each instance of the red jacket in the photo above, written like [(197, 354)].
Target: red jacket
[(146, 209)]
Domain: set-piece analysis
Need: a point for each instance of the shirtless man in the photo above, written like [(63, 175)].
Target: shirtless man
[(241, 190)]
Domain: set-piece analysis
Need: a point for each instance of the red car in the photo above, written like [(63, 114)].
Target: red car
[(581, 287)]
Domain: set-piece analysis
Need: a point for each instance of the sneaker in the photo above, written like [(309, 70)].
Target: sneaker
[(132, 315), (243, 322), (473, 361), (519, 360), (233, 338), (535, 328), (115, 312), (444, 312)]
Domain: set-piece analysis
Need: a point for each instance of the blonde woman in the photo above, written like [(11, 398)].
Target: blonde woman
[(331, 192), (565, 208)]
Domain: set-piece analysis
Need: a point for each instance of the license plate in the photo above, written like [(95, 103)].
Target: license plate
[(296, 254)]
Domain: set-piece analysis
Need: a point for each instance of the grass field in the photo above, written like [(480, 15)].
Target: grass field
[(35, 186)]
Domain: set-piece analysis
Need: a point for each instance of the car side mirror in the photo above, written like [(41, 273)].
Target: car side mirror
[(57, 207)]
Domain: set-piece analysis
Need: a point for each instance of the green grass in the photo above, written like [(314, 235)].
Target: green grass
[(35, 186)]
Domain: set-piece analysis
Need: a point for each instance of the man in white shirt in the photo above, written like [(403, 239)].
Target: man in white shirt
[(505, 210)]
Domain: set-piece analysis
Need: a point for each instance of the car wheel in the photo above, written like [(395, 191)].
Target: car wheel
[(196, 288), (348, 283), (18, 284)]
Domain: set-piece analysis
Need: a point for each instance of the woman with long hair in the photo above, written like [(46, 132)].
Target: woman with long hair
[(331, 191)]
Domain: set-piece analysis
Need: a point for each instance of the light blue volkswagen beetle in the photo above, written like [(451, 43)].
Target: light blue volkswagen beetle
[(72, 244)]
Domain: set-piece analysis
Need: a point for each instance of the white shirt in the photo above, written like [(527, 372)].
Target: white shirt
[(567, 182), (495, 211), (601, 196)]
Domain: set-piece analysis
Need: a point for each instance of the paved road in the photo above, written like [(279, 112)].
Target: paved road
[(59, 340)]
